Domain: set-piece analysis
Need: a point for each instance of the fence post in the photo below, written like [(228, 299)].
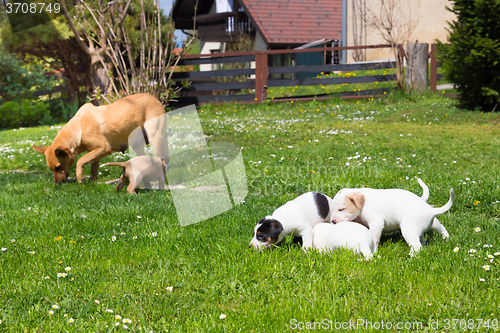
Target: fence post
[(400, 66), (433, 68), (261, 72), (417, 66)]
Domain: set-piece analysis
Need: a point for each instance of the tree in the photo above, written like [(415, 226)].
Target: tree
[(394, 25), (128, 55), (471, 60), (53, 46), (125, 47)]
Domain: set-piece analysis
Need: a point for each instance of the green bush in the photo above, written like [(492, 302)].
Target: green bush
[(471, 60), (18, 79), (15, 114)]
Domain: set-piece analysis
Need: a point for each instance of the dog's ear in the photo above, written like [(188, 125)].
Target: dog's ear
[(62, 151), (275, 229), (357, 199), (41, 149)]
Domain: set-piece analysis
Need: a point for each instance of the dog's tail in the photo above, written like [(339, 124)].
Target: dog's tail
[(425, 195), (447, 206), (120, 164)]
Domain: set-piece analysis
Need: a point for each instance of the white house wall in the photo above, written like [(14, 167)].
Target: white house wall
[(431, 18)]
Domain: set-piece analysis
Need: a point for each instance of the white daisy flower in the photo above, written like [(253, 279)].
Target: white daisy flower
[(486, 267), (170, 288), (477, 229), (222, 316), (456, 249)]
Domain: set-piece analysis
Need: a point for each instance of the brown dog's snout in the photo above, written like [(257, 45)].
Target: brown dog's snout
[(60, 177)]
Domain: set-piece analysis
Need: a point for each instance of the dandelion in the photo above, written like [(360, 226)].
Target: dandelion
[(71, 320), (486, 267), (222, 316), (456, 249), (154, 234), (477, 202), (55, 306), (113, 238), (67, 269), (170, 288), (477, 229)]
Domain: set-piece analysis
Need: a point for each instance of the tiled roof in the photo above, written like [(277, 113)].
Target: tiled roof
[(296, 21)]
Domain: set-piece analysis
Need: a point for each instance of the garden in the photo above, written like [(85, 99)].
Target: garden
[(82, 257)]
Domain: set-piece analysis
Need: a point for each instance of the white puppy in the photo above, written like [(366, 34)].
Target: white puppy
[(349, 235), (390, 210), (296, 217)]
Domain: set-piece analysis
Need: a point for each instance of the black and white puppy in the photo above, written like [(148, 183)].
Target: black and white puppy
[(297, 217)]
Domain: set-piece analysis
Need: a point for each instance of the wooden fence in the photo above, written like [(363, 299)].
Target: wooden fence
[(206, 85)]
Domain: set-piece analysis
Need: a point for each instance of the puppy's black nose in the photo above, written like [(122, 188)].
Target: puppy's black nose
[(250, 246), (334, 222)]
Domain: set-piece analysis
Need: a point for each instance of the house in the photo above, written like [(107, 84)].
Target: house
[(288, 24), (277, 24)]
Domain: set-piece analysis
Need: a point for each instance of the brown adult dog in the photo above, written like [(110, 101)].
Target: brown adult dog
[(105, 129), (139, 169)]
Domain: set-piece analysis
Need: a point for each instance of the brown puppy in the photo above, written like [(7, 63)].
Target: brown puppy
[(105, 129), (139, 169)]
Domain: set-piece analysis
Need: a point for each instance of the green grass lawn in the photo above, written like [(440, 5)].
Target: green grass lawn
[(83, 258)]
